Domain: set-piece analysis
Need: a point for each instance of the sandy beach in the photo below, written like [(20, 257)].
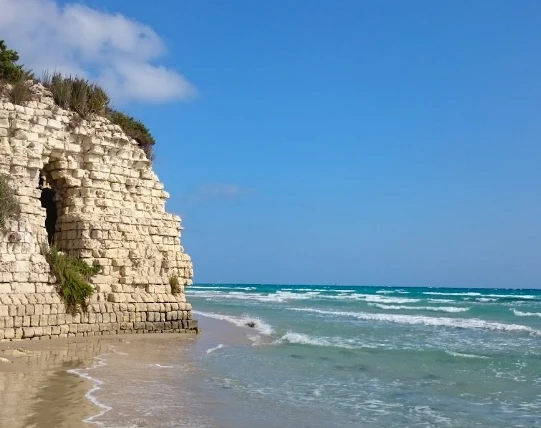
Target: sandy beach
[(56, 383), (36, 389)]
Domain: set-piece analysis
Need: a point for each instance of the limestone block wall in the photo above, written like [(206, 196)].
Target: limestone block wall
[(110, 209)]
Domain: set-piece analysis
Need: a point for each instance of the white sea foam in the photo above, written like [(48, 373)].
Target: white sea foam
[(459, 354), (211, 350), (441, 301), (480, 295), (376, 298), (392, 292), (486, 299), (386, 299), (104, 408), (526, 314), (278, 297), (259, 325), (285, 296), (512, 296), (438, 293), (470, 323), (160, 366), (452, 309), (304, 339), (202, 287)]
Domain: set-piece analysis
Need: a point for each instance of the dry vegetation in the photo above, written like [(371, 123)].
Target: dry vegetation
[(9, 207), (70, 93)]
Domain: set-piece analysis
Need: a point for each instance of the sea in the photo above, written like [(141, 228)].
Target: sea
[(333, 356)]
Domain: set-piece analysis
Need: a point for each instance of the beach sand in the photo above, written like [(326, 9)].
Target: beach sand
[(36, 389), (52, 383)]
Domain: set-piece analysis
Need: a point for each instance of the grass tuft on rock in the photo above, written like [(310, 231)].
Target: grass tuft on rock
[(20, 92), (174, 282), (70, 93), (9, 206), (72, 276), (135, 129), (76, 94)]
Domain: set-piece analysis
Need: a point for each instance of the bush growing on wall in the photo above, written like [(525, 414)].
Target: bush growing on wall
[(134, 129), (174, 283), (9, 207), (72, 276)]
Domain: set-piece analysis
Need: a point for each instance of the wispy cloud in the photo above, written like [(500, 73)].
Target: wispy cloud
[(110, 48), (213, 192)]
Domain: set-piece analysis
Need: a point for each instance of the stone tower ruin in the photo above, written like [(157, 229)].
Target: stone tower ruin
[(89, 190)]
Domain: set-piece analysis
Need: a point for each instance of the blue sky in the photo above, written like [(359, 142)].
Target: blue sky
[(349, 142)]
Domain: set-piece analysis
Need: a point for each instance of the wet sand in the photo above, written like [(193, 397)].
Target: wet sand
[(38, 387)]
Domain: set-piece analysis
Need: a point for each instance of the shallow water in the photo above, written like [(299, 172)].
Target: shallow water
[(327, 356)]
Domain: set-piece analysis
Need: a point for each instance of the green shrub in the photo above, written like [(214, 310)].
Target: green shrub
[(175, 284), (135, 129), (76, 94), (72, 276), (9, 69), (9, 207)]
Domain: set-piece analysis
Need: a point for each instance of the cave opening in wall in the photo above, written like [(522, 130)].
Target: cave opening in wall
[(48, 201)]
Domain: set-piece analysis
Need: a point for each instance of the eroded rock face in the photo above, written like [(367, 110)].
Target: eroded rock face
[(109, 207)]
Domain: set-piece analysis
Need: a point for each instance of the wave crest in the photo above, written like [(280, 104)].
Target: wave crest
[(304, 339), (526, 314), (452, 309), (469, 323), (242, 321)]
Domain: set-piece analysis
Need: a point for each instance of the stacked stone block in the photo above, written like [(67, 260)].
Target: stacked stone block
[(111, 211)]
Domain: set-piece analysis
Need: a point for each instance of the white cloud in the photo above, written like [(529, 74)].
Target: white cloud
[(109, 48)]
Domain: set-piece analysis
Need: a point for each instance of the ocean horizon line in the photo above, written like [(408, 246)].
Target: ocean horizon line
[(263, 284)]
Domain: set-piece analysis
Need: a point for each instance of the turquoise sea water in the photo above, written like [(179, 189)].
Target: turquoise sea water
[(330, 356)]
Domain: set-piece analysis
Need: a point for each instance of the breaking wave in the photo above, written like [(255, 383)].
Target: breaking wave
[(304, 339), (526, 314), (468, 323), (211, 350), (459, 354), (451, 309), (243, 321)]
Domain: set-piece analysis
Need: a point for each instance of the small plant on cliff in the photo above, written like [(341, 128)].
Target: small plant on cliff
[(20, 92), (135, 129), (72, 276), (9, 207), (76, 94), (13, 76), (70, 93), (175, 284)]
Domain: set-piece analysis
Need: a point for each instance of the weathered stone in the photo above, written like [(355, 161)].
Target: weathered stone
[(113, 214)]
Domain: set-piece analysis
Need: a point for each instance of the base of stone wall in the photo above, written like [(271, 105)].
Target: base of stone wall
[(42, 333), (43, 315)]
